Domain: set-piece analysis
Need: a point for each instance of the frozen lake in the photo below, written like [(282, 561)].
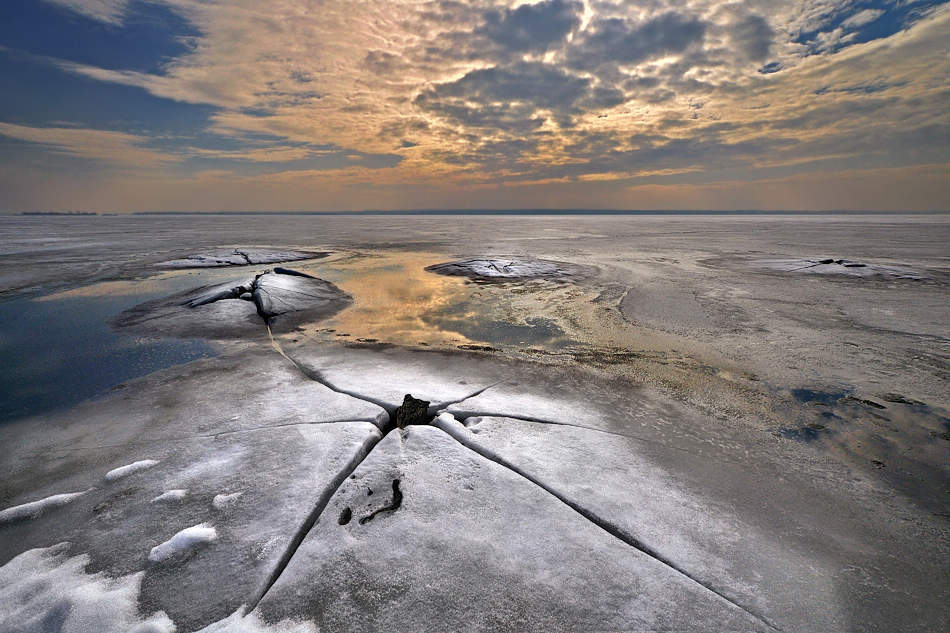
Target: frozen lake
[(644, 422)]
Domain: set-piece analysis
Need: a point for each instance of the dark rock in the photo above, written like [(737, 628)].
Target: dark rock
[(412, 411), (345, 516), (247, 296), (478, 348), (869, 403)]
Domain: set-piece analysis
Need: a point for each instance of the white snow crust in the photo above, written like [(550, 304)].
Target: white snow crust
[(128, 469), (34, 509), (185, 540), (220, 502), (251, 623), (45, 590), (171, 495)]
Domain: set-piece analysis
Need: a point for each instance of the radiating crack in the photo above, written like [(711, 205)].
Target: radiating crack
[(316, 376), (251, 429), (438, 406), (465, 415), (244, 255), (323, 500), (465, 438)]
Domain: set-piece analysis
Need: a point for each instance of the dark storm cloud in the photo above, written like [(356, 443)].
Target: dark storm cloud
[(617, 42), (510, 96), (753, 36), (532, 27)]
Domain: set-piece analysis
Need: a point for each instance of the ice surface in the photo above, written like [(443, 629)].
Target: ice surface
[(472, 544), (280, 463), (390, 374), (474, 547), (183, 542), (129, 469), (171, 495), (34, 509)]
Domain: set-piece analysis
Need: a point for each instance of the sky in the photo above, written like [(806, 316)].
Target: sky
[(244, 105)]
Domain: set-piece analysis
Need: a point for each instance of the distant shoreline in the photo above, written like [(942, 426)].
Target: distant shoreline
[(490, 212)]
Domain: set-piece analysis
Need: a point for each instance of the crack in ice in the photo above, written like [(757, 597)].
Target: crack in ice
[(614, 530)]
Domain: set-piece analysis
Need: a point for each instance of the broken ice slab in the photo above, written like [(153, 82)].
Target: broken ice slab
[(199, 576), (471, 546), (221, 257), (280, 298), (506, 269), (831, 266)]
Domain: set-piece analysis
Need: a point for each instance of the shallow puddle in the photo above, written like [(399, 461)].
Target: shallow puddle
[(63, 350), (397, 301)]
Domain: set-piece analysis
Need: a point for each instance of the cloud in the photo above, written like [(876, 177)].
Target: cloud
[(117, 148), (862, 18), (615, 41), (109, 11), (532, 27), (451, 94), (753, 36)]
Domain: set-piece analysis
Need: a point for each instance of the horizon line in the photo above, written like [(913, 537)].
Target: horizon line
[(536, 211)]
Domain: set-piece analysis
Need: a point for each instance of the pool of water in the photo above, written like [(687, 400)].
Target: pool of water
[(59, 349), (395, 300)]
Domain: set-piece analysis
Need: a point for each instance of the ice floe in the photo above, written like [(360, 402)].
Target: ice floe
[(831, 266), (280, 297), (505, 268), (238, 257)]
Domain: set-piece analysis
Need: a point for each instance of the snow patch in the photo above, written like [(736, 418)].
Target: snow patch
[(171, 495), (221, 502), (123, 471), (45, 590), (34, 509), (251, 623), (184, 541)]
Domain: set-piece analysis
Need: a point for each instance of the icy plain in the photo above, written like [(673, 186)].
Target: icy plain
[(693, 441)]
